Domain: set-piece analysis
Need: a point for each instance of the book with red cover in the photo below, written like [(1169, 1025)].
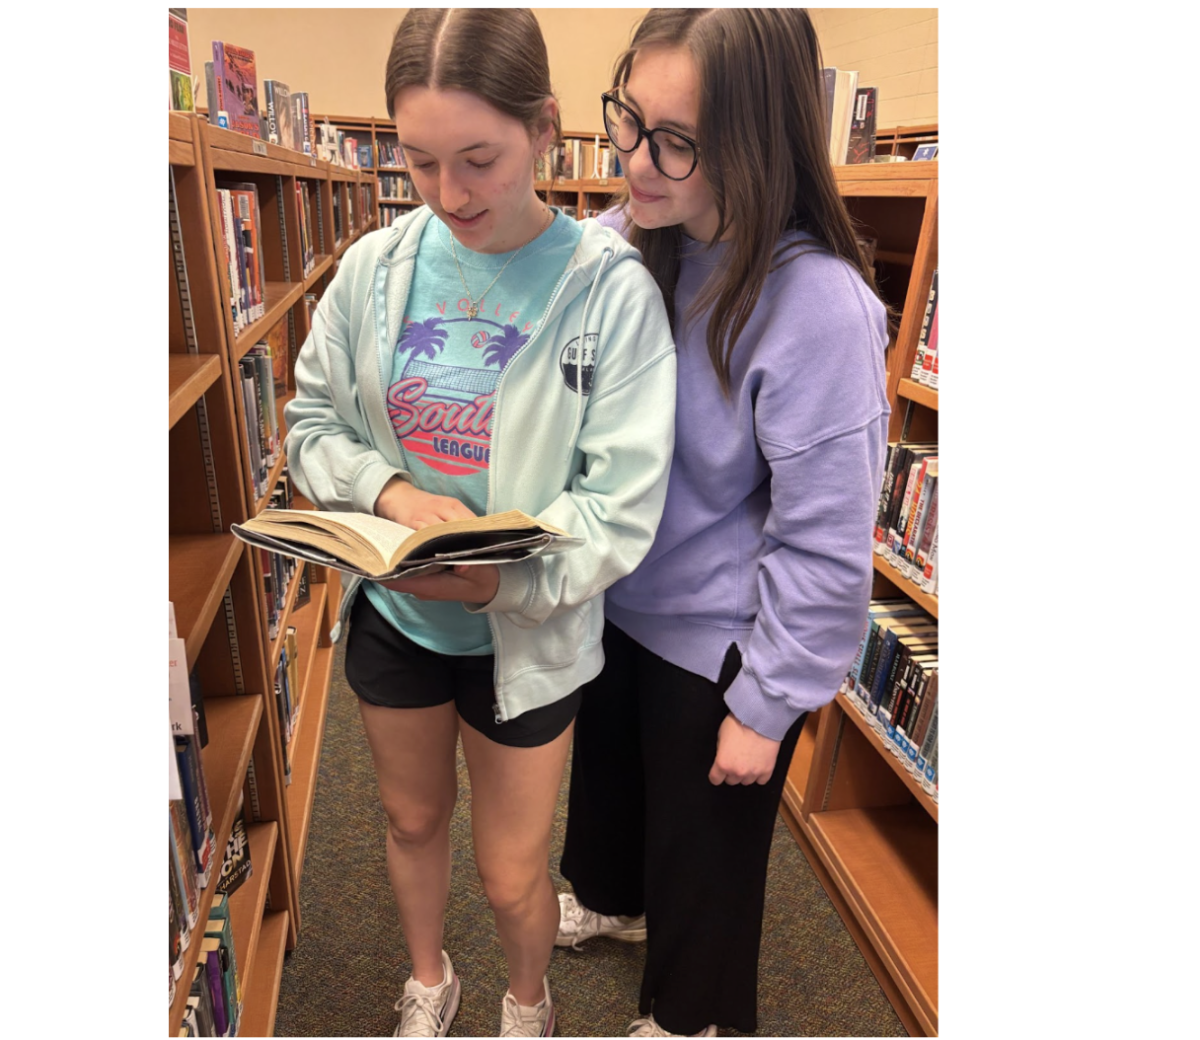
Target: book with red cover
[(237, 87)]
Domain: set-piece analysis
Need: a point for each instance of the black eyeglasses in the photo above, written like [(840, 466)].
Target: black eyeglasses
[(673, 154)]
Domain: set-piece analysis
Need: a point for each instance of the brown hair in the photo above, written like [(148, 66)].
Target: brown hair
[(763, 152), (496, 53)]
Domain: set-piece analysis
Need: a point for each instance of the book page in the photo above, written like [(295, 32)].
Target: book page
[(381, 538)]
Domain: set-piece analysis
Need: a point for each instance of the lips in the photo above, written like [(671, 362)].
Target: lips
[(641, 196), (470, 222)]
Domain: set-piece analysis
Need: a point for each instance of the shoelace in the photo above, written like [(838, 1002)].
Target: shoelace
[(417, 1005), (519, 1021), (574, 915)]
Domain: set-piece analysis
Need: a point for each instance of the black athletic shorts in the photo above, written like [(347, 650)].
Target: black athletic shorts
[(387, 669)]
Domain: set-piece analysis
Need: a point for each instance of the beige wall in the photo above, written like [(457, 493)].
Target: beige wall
[(894, 49), (338, 56)]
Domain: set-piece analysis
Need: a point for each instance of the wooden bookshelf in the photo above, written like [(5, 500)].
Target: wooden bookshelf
[(215, 581), (867, 827)]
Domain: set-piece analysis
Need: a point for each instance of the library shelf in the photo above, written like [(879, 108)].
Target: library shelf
[(200, 569), (232, 728), (189, 376), (927, 601), (922, 395), (217, 586), (918, 792), (280, 297), (392, 169), (868, 829), (261, 991), (885, 860)]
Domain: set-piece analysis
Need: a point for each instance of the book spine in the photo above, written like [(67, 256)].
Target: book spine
[(929, 741), (896, 531), (896, 499), (916, 522), (885, 494), (218, 103), (919, 360), (928, 699), (930, 526), (905, 532), (931, 348), (889, 688), (272, 113), (929, 578), (216, 990)]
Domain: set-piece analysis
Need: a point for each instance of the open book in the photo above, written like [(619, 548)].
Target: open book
[(373, 547)]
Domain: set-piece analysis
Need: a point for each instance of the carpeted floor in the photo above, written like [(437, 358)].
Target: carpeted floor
[(347, 970)]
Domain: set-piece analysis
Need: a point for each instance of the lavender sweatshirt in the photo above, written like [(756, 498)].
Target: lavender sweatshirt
[(766, 537)]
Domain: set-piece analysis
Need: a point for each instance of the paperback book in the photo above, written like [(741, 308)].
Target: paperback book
[(372, 547)]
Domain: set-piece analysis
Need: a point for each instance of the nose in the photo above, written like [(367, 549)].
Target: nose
[(639, 162), (453, 195)]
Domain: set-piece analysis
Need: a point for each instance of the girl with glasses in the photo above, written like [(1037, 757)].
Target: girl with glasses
[(484, 353), (747, 611)]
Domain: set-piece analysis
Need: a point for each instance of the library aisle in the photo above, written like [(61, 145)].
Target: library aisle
[(344, 977)]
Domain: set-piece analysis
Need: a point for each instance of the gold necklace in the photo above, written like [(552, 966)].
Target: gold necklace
[(473, 309)]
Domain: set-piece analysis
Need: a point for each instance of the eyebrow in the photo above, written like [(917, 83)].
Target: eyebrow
[(687, 128), (470, 148)]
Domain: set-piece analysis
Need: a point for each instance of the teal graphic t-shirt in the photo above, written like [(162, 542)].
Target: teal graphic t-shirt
[(445, 370)]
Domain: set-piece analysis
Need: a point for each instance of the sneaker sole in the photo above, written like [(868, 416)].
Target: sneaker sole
[(630, 935), (451, 1006)]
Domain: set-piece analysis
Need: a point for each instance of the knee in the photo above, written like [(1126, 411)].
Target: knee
[(417, 827), (512, 893)]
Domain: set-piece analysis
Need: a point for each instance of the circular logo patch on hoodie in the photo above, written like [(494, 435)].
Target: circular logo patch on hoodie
[(571, 364)]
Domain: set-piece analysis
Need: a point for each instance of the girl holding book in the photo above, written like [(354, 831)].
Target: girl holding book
[(747, 611), (484, 353)]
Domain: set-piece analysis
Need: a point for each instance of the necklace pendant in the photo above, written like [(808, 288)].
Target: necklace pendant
[(473, 312)]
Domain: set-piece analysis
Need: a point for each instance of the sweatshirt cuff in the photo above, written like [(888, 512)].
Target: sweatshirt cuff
[(369, 482), (768, 716), (514, 593)]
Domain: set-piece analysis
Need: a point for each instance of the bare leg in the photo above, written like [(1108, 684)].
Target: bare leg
[(513, 795), (414, 754)]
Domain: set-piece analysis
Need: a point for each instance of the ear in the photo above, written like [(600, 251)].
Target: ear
[(545, 124)]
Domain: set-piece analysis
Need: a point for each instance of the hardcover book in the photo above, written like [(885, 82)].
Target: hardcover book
[(862, 127), (237, 87), (279, 113), (180, 61), (236, 866), (372, 547)]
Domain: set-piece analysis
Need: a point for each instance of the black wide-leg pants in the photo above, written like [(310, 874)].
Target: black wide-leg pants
[(647, 832)]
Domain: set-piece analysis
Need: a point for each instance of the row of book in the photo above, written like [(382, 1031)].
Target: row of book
[(389, 153), (893, 683), (906, 521), (277, 569), (925, 364), (308, 246), (241, 250), (214, 1006), (849, 117), (389, 214), (397, 186), (193, 860), (577, 159), (260, 374)]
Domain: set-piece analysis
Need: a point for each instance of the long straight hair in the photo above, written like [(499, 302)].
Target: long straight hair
[(497, 54), (763, 152)]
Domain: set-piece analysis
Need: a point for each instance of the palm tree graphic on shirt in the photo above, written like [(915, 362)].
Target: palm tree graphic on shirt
[(428, 339)]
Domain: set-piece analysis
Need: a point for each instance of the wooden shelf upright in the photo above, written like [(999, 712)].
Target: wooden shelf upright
[(868, 830), (216, 582)]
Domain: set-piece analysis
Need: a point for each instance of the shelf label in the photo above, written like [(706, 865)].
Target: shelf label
[(312, 161), (603, 181), (259, 147)]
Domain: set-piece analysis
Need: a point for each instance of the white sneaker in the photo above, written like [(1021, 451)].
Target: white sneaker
[(429, 1010), (576, 924), (648, 1027), (538, 1020)]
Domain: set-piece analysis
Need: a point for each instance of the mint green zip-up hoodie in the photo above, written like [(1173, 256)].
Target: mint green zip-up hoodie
[(580, 437)]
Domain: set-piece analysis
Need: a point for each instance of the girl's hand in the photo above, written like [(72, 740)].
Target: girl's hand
[(462, 583), (743, 756), (403, 503)]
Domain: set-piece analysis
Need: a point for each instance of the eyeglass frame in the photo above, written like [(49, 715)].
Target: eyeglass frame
[(645, 132)]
